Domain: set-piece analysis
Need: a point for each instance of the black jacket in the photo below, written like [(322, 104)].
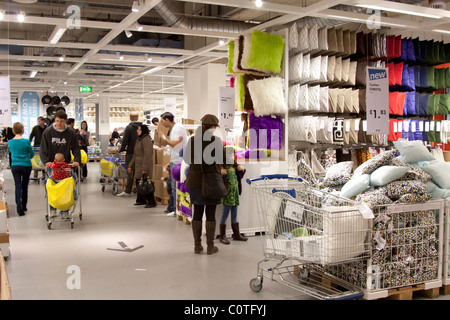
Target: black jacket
[(130, 137), (54, 141), (36, 133)]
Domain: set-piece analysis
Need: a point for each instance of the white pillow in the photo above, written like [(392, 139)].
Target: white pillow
[(303, 96), (323, 38), (330, 68), (440, 173), (303, 38), (355, 186), (315, 65), (296, 67), (345, 69), (355, 101), (338, 69), (313, 35), (387, 174), (294, 97), (293, 36), (268, 96), (413, 151), (306, 66), (314, 98), (323, 69), (324, 99)]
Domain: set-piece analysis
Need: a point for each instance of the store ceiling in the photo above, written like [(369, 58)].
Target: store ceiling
[(176, 35)]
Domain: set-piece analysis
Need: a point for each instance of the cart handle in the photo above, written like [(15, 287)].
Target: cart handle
[(273, 176)]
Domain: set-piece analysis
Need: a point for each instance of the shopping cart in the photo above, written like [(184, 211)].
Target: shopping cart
[(112, 168), (63, 196), (4, 155), (37, 166), (304, 230)]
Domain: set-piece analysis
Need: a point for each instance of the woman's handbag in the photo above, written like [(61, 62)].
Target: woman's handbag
[(145, 186), (213, 186)]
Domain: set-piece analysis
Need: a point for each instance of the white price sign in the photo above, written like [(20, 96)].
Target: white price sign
[(170, 105), (377, 100), (5, 102), (226, 107)]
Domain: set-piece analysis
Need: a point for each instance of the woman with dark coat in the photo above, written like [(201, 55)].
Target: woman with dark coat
[(202, 157), (142, 164)]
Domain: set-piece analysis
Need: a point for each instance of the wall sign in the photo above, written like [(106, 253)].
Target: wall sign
[(170, 105), (5, 102), (377, 100), (29, 111), (226, 107)]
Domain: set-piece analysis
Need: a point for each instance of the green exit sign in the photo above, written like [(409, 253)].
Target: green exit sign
[(84, 89)]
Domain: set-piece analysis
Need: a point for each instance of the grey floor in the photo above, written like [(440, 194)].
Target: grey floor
[(41, 260), (165, 268)]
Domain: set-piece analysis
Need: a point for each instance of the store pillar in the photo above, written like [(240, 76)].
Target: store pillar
[(102, 122), (202, 90)]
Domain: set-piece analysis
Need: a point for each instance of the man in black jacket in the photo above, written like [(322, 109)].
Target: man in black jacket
[(129, 140), (37, 132), (58, 138)]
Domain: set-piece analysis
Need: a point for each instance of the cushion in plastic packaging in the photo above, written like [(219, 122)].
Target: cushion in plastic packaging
[(330, 125), (332, 39), (324, 69), (313, 37), (406, 126), (354, 128), (338, 69), (424, 77), (404, 47), (332, 99), (352, 73), (306, 66), (268, 96), (340, 39), (431, 77), (362, 99), (314, 98), (323, 38), (331, 67), (347, 127), (324, 99), (296, 67), (322, 134), (294, 92), (417, 76), (345, 69), (410, 55), (361, 73), (340, 101), (315, 66), (410, 104), (338, 174), (423, 104), (303, 102), (393, 97), (355, 101), (303, 38), (346, 41), (376, 162), (293, 36), (348, 104)]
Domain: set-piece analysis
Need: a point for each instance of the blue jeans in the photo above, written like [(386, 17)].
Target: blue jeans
[(21, 176), (226, 211), (172, 206)]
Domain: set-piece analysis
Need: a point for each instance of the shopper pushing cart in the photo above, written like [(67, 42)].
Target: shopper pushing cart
[(112, 169), (305, 230)]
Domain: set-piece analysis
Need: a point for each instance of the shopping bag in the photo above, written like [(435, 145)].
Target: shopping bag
[(83, 157), (60, 195)]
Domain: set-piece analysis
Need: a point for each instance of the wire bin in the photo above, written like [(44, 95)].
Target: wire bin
[(308, 228), (112, 168), (407, 249)]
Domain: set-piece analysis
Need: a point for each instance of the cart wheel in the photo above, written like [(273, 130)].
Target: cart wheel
[(46, 217), (49, 225), (114, 191), (81, 217), (71, 225), (256, 285), (102, 180), (103, 188)]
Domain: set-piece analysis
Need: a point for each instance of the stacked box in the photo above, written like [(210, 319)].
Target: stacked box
[(5, 288), (4, 232), (161, 158), (407, 249), (160, 130)]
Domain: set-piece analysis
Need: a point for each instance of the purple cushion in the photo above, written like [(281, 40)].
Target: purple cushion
[(410, 54), (176, 172), (406, 125), (404, 46), (263, 127), (410, 104), (412, 79)]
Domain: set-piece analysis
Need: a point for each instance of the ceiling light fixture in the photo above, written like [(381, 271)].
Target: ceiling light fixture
[(258, 3), (383, 23), (397, 8), (62, 58), (138, 26), (135, 6), (2, 14), (33, 74), (128, 33), (221, 42), (21, 16), (441, 31), (121, 57), (57, 34), (146, 57)]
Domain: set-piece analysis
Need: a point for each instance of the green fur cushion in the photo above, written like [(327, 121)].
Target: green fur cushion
[(230, 57), (266, 52), (239, 92)]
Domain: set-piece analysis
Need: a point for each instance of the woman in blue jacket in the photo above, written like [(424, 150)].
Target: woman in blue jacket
[(21, 154)]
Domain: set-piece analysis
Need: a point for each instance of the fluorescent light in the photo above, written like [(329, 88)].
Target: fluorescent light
[(146, 57), (62, 58), (221, 42), (387, 24), (57, 34), (258, 3), (21, 16), (128, 33), (33, 74), (121, 57), (391, 8), (441, 31), (2, 14), (135, 7)]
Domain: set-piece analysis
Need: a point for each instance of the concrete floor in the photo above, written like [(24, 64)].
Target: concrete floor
[(42, 262)]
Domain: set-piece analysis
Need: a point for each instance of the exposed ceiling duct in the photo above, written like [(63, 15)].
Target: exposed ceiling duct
[(167, 8)]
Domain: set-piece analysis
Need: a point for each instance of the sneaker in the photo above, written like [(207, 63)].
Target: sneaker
[(123, 194), (171, 214)]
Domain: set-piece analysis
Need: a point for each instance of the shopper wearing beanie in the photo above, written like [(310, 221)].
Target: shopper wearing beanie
[(204, 154), (142, 164)]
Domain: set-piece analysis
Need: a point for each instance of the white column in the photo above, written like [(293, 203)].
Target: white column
[(102, 122), (202, 90)]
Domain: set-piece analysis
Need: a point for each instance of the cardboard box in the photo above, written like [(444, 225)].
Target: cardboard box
[(163, 156), (3, 221), (5, 288), (160, 130), (160, 172), (160, 191), (4, 237), (188, 121), (4, 249), (4, 206), (447, 156)]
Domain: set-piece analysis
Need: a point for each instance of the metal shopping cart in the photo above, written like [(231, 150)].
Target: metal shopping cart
[(112, 169), (63, 196), (306, 229), (37, 166)]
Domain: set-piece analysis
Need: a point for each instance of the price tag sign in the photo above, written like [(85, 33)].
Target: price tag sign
[(5, 102), (170, 105), (377, 100), (226, 107)]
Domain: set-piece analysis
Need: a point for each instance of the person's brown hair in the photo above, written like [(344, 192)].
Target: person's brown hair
[(18, 128), (61, 114), (134, 117)]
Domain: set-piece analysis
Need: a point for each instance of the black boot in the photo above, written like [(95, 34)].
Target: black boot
[(236, 234), (222, 237), (210, 234), (197, 233)]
